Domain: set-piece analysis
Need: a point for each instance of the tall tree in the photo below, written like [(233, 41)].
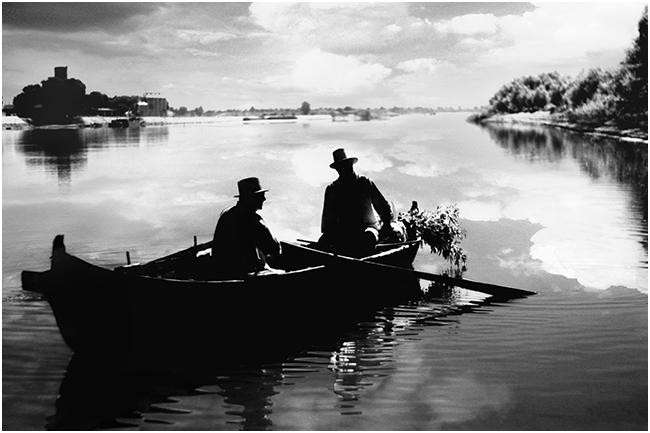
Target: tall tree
[(28, 101), (123, 103), (632, 78), (93, 101)]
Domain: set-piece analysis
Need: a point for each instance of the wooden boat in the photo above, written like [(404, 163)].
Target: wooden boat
[(170, 305), (271, 117), (126, 122)]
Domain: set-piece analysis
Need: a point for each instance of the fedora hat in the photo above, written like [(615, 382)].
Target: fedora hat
[(249, 186), (340, 158)]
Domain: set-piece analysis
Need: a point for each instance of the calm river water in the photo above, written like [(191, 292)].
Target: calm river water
[(558, 213)]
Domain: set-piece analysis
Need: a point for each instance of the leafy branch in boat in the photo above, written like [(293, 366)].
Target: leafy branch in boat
[(440, 230)]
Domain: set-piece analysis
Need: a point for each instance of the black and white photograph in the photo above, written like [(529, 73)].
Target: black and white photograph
[(317, 216)]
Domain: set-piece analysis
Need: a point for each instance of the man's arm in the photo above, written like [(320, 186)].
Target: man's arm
[(380, 204), (266, 242)]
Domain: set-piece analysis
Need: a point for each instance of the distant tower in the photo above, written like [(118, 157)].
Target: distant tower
[(61, 72)]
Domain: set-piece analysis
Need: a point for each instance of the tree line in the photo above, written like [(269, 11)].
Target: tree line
[(61, 100), (596, 96)]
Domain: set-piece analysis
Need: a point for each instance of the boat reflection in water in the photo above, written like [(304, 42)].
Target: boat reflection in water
[(116, 390)]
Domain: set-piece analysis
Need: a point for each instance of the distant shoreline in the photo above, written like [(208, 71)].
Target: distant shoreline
[(17, 123), (545, 118)]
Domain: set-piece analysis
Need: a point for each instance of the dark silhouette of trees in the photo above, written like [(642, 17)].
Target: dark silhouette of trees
[(55, 101), (123, 104), (585, 87), (27, 102), (60, 100), (95, 100), (364, 114), (531, 93), (305, 108), (632, 78), (63, 99), (595, 96), (181, 111)]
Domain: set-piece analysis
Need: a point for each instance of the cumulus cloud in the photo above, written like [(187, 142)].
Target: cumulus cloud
[(323, 72), (471, 24), (201, 53), (334, 27), (393, 28), (204, 37), (445, 53), (563, 33), (419, 65)]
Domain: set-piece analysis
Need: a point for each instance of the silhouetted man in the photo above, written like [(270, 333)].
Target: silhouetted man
[(349, 224), (242, 242)]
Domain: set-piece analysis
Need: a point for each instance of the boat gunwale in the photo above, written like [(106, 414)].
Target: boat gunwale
[(119, 271), (402, 246)]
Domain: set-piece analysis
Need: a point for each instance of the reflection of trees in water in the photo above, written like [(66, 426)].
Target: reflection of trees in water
[(533, 143), (599, 157), (65, 151), (61, 151)]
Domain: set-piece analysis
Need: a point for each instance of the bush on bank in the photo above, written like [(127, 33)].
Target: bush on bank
[(596, 96)]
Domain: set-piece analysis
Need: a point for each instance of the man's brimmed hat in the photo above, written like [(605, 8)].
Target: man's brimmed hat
[(341, 158), (249, 186)]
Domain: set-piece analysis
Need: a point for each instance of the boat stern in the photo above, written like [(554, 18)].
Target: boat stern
[(35, 281)]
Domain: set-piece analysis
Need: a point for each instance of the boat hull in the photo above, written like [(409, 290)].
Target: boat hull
[(122, 310)]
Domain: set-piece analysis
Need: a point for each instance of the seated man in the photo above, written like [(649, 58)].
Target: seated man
[(242, 242), (349, 224)]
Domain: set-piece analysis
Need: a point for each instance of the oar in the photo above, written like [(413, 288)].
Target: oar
[(490, 289)]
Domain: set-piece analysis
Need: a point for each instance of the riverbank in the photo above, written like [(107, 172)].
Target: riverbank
[(17, 123), (545, 118)]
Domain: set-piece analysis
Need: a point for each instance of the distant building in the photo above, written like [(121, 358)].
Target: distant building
[(151, 104), (61, 72)]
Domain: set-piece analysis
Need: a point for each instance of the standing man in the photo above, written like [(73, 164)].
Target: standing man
[(242, 242), (349, 224)]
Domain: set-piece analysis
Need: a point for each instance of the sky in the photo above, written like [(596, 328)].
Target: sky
[(266, 55)]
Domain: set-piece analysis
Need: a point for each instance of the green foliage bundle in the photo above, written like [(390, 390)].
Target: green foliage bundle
[(440, 230)]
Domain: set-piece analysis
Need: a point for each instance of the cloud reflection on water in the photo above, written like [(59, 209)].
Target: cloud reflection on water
[(586, 221)]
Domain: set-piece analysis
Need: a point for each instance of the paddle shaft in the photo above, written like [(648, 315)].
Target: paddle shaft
[(490, 289)]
